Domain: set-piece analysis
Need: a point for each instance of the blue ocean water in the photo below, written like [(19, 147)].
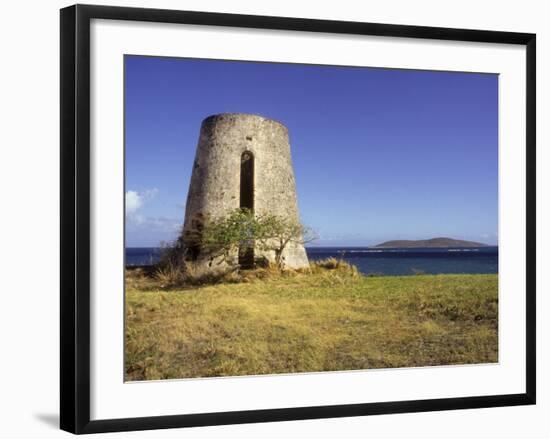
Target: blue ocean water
[(389, 262)]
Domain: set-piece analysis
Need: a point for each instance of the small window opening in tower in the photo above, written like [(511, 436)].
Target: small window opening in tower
[(246, 250)]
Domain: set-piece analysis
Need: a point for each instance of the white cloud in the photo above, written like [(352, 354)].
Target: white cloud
[(135, 201), (163, 224)]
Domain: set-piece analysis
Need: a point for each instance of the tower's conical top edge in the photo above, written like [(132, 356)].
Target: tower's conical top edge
[(241, 116)]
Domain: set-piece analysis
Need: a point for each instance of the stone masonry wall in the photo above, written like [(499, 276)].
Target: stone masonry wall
[(214, 189)]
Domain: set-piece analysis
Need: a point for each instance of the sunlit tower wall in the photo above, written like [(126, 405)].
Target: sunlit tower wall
[(242, 161)]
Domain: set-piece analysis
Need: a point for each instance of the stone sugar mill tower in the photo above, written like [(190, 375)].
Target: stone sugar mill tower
[(242, 161)]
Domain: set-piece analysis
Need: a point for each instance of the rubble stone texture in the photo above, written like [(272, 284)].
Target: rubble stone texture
[(215, 189)]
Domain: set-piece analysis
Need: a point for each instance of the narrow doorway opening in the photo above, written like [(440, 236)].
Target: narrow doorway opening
[(246, 250)]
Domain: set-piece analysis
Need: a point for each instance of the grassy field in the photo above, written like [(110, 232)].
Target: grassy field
[(325, 320)]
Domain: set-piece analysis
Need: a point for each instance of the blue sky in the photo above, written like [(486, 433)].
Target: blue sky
[(378, 154)]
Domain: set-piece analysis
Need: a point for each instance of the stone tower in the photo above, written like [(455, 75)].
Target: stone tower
[(242, 160)]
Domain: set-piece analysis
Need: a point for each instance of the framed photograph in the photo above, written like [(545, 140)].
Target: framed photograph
[(268, 219)]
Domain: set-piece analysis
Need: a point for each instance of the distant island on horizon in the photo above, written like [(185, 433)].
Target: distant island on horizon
[(430, 243)]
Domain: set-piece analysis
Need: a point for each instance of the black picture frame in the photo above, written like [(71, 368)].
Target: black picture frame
[(75, 217)]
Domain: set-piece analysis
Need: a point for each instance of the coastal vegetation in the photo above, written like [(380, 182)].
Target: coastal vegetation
[(325, 318), (222, 240)]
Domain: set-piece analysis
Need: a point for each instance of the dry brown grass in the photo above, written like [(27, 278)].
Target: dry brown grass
[(325, 318)]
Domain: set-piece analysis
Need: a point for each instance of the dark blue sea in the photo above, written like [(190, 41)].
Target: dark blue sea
[(390, 262)]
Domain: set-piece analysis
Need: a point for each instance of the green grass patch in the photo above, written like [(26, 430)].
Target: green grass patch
[(325, 319)]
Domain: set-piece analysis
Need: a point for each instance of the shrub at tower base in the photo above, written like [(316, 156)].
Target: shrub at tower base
[(222, 241), (327, 317)]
